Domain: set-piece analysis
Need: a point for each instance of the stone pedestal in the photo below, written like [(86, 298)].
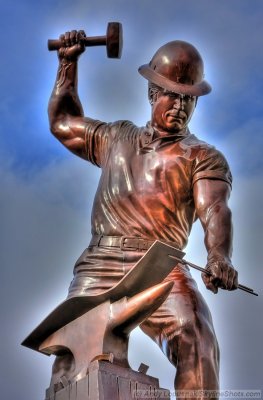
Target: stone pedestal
[(106, 381)]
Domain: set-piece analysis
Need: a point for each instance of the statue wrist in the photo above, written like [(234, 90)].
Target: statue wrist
[(65, 55), (215, 256)]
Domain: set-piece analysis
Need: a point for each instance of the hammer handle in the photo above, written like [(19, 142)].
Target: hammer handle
[(55, 44), (241, 287)]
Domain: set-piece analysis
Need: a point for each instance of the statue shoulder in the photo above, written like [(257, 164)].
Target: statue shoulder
[(127, 130), (201, 147), (194, 141), (208, 162)]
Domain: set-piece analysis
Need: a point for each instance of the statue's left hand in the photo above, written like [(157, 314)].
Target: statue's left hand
[(221, 274)]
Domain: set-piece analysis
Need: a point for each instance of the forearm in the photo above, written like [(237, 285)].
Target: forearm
[(211, 201), (64, 100), (218, 229)]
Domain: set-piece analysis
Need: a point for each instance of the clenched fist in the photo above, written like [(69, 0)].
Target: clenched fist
[(73, 45), (221, 274)]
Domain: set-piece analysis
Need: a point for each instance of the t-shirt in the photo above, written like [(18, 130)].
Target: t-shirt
[(146, 185)]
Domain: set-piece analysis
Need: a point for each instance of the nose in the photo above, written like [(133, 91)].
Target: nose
[(179, 103)]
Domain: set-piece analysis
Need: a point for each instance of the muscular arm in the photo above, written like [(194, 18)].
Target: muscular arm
[(67, 122), (211, 203)]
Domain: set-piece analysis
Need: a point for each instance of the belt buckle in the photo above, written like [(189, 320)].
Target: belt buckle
[(124, 246)]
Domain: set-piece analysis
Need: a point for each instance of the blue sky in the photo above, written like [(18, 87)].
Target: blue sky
[(47, 193)]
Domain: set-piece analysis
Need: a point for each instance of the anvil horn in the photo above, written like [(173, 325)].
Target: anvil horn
[(125, 317)]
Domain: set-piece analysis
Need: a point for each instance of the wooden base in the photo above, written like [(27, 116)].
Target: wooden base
[(106, 381)]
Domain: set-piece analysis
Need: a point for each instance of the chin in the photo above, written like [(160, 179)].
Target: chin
[(174, 128)]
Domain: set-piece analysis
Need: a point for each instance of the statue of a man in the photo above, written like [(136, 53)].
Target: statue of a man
[(155, 182)]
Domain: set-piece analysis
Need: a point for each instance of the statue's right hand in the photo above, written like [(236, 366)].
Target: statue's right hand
[(73, 45)]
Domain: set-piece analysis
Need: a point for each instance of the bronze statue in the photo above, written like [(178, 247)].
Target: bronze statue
[(155, 182)]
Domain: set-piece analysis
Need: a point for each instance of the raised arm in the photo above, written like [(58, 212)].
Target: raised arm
[(67, 122), (211, 202)]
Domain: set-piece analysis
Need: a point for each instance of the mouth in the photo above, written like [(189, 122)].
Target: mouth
[(175, 116)]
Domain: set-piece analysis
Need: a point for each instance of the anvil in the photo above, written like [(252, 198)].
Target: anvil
[(85, 328)]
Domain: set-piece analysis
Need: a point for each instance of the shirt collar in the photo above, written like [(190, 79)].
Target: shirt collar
[(149, 143)]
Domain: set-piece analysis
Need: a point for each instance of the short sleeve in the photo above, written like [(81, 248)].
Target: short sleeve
[(211, 164), (98, 139)]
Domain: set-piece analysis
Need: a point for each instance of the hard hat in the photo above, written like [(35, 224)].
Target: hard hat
[(178, 67)]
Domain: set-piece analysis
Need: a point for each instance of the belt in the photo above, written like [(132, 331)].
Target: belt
[(124, 242)]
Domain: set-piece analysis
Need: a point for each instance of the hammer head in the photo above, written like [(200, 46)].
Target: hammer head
[(114, 40)]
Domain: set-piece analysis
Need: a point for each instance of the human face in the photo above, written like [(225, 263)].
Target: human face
[(171, 112)]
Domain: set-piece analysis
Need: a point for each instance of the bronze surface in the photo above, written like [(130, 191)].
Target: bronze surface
[(145, 274), (155, 182)]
